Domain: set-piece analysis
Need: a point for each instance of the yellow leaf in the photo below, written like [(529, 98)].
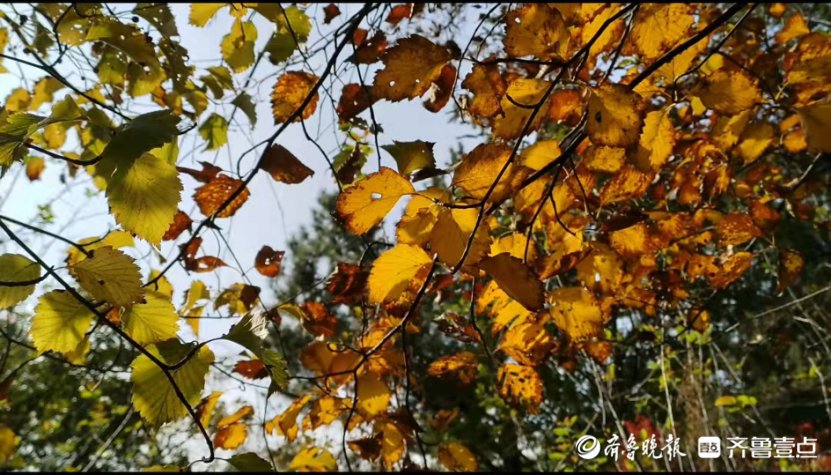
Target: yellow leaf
[(516, 279), (536, 29), (237, 416), (515, 245), (420, 216), (289, 94), (726, 401), (201, 13), (161, 285), (791, 265), (528, 343), (479, 169), (657, 140), (607, 38), (604, 159), (373, 395), (366, 203), (110, 275), (151, 321), (629, 183), (755, 140), (520, 384), (457, 458), (326, 410), (795, 27), (60, 322), (153, 395), (816, 120), (737, 228), (461, 365), (314, 459), (231, 436), (15, 268), (393, 272), (238, 46), (286, 423), (518, 103), (614, 116), (411, 66), (393, 444), (576, 312), (451, 233), (487, 85), (206, 407), (115, 239), (728, 92), (145, 196), (540, 154), (412, 156), (8, 444), (728, 129), (658, 27), (44, 90)]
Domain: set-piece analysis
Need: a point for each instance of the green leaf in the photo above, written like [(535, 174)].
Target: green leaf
[(276, 365), (412, 156), (153, 395), (145, 196), (215, 131), (250, 332), (244, 102), (60, 322), (249, 462), (158, 15), (280, 47), (16, 268), (295, 21), (238, 45), (151, 321), (140, 135)]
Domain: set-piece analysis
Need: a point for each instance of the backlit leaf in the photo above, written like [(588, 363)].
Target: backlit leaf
[(110, 275), (60, 322), (153, 395), (290, 93), (392, 272), (365, 204), (16, 269)]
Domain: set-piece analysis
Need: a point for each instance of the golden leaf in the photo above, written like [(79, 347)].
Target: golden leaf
[(461, 365), (457, 458), (614, 116), (393, 272), (577, 313), (536, 29), (520, 384), (212, 195), (365, 204), (290, 92), (479, 169), (728, 92), (516, 279), (411, 66)]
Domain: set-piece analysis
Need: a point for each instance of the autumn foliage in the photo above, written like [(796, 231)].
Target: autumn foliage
[(633, 159)]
